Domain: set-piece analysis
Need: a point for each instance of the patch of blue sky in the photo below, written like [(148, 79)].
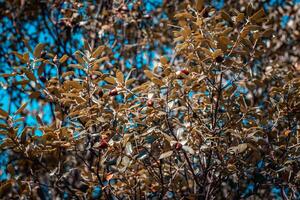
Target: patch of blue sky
[(111, 39), (191, 94), (4, 99), (218, 4), (261, 164), (44, 37), (31, 27), (276, 2), (119, 98), (164, 15), (207, 93), (31, 120), (151, 5), (139, 60), (97, 192), (245, 122), (3, 164), (249, 190), (170, 194), (38, 132), (167, 50), (130, 5), (78, 39), (221, 123), (117, 55), (284, 21), (47, 114), (276, 192), (82, 10), (128, 64), (228, 84), (65, 196), (6, 22)]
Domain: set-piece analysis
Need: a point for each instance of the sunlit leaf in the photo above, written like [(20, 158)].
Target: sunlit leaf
[(166, 155)]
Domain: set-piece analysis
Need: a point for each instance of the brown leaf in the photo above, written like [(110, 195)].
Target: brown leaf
[(256, 16), (64, 58), (38, 49), (120, 76), (165, 155), (21, 108), (98, 51), (3, 113)]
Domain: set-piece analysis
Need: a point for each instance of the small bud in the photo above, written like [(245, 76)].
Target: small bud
[(150, 103), (178, 146), (113, 92), (103, 144)]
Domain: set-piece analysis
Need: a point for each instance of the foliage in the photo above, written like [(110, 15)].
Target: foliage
[(218, 118)]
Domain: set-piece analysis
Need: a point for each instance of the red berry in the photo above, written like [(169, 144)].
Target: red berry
[(103, 144), (150, 103), (113, 92), (185, 71), (178, 146)]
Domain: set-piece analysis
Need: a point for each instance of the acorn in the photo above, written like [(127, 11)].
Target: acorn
[(150, 103), (219, 59), (103, 144), (113, 92), (178, 146)]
